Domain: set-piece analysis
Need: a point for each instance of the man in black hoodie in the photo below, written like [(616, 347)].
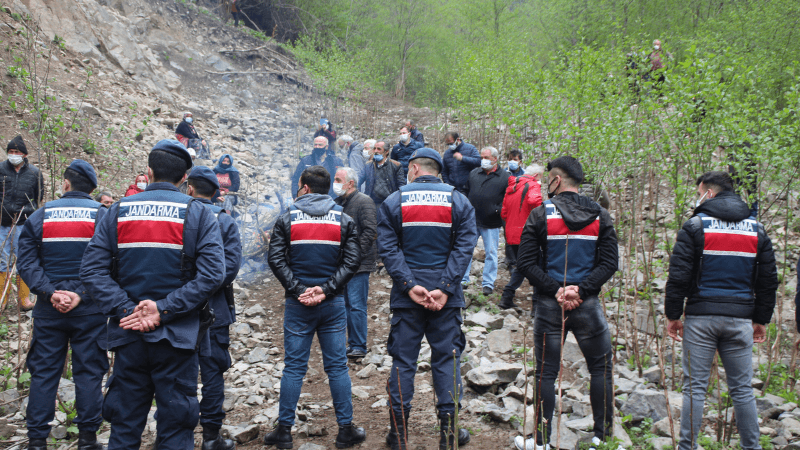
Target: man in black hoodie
[(723, 264), (572, 232)]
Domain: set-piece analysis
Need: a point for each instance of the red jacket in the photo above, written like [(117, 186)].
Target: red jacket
[(134, 189), (522, 195)]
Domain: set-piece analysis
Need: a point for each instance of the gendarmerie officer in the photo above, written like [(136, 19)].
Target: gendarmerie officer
[(51, 245), (215, 359), (426, 235), (167, 258)]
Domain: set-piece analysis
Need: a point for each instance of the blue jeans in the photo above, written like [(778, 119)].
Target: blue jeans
[(732, 337), (10, 245), (300, 323), (491, 239), (355, 301)]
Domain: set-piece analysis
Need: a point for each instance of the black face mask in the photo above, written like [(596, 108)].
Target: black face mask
[(317, 152), (551, 194)]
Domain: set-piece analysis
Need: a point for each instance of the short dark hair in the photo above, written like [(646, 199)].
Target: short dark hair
[(717, 181), (569, 168), (203, 188), (166, 166), (514, 153), (451, 134), (427, 164), (78, 182), (317, 179)]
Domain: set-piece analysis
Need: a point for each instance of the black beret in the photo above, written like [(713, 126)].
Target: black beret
[(17, 144), (85, 169), (204, 173), (176, 148)]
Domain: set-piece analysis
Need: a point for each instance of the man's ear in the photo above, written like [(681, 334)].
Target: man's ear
[(149, 173)]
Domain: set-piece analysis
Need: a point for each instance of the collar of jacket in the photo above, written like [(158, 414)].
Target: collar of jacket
[(427, 179), (76, 194), (204, 200), (161, 186)]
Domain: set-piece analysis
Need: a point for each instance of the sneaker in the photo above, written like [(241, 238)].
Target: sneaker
[(596, 443), (487, 290), (529, 444), (356, 354)]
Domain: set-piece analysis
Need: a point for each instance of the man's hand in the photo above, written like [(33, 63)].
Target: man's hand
[(569, 298), (313, 296), (67, 301), (675, 329), (458, 156), (439, 299), (759, 333), (421, 296), (145, 317)]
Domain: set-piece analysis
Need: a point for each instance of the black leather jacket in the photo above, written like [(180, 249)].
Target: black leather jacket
[(22, 191), (278, 258)]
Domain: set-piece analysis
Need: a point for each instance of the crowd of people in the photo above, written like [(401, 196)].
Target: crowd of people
[(150, 278)]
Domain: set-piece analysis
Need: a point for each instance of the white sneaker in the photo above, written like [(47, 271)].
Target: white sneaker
[(596, 443), (529, 444)]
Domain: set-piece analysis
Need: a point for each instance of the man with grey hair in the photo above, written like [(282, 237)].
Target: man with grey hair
[(105, 197), (352, 152), (364, 213), (486, 189)]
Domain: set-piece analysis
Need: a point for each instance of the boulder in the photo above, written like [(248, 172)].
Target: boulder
[(499, 341), (645, 403), (484, 319), (257, 355), (661, 428), (240, 434)]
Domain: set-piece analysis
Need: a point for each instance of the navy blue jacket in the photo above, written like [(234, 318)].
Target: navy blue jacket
[(417, 136), (331, 164), (455, 172), (232, 245), (179, 308), (32, 268), (715, 280), (448, 280), (367, 177), (402, 152)]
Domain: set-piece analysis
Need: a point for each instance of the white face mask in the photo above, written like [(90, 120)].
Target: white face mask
[(15, 159), (338, 189), (141, 185), (700, 200), (409, 180), (188, 120), (656, 47), (486, 164), (513, 165), (366, 153), (403, 137), (452, 146)]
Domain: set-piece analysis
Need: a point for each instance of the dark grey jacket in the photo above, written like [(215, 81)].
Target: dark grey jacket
[(365, 214), (486, 193), (22, 191)]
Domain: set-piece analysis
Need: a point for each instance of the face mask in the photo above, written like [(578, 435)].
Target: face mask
[(452, 146), (338, 189), (550, 194), (188, 120), (408, 179), (378, 157), (656, 47), (486, 164), (141, 185), (700, 200), (513, 165), (403, 137), (366, 154), (317, 152), (15, 159)]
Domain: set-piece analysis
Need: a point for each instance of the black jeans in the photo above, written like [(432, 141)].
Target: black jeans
[(589, 326)]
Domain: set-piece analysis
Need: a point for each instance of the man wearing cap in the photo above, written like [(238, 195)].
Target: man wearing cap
[(215, 359), (426, 234), (22, 192), (319, 157), (155, 259), (50, 249), (571, 233), (314, 252)]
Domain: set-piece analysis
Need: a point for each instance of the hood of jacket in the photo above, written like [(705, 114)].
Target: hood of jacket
[(315, 204), (517, 183), (577, 210), (727, 206)]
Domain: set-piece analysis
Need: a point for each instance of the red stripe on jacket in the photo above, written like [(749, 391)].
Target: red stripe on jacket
[(67, 229), (316, 232), (427, 213), (164, 232), (557, 227), (727, 242)]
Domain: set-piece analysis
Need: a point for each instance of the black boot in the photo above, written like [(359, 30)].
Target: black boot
[(350, 435), (37, 444), (213, 441), (281, 437), (397, 438), (87, 440), (507, 300), (447, 437)]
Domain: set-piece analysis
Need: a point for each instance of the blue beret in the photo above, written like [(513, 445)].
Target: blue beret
[(176, 148), (426, 152), (204, 173), (85, 169)]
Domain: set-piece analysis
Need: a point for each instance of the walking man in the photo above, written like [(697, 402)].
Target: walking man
[(426, 234), (573, 231), (314, 252), (153, 261), (51, 245), (724, 266), (214, 358)]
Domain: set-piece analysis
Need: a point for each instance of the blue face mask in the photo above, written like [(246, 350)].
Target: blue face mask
[(188, 120), (513, 165), (377, 158)]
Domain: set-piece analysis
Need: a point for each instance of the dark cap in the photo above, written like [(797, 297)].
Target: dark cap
[(85, 169), (17, 144), (568, 165), (204, 173), (426, 152), (176, 148)]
